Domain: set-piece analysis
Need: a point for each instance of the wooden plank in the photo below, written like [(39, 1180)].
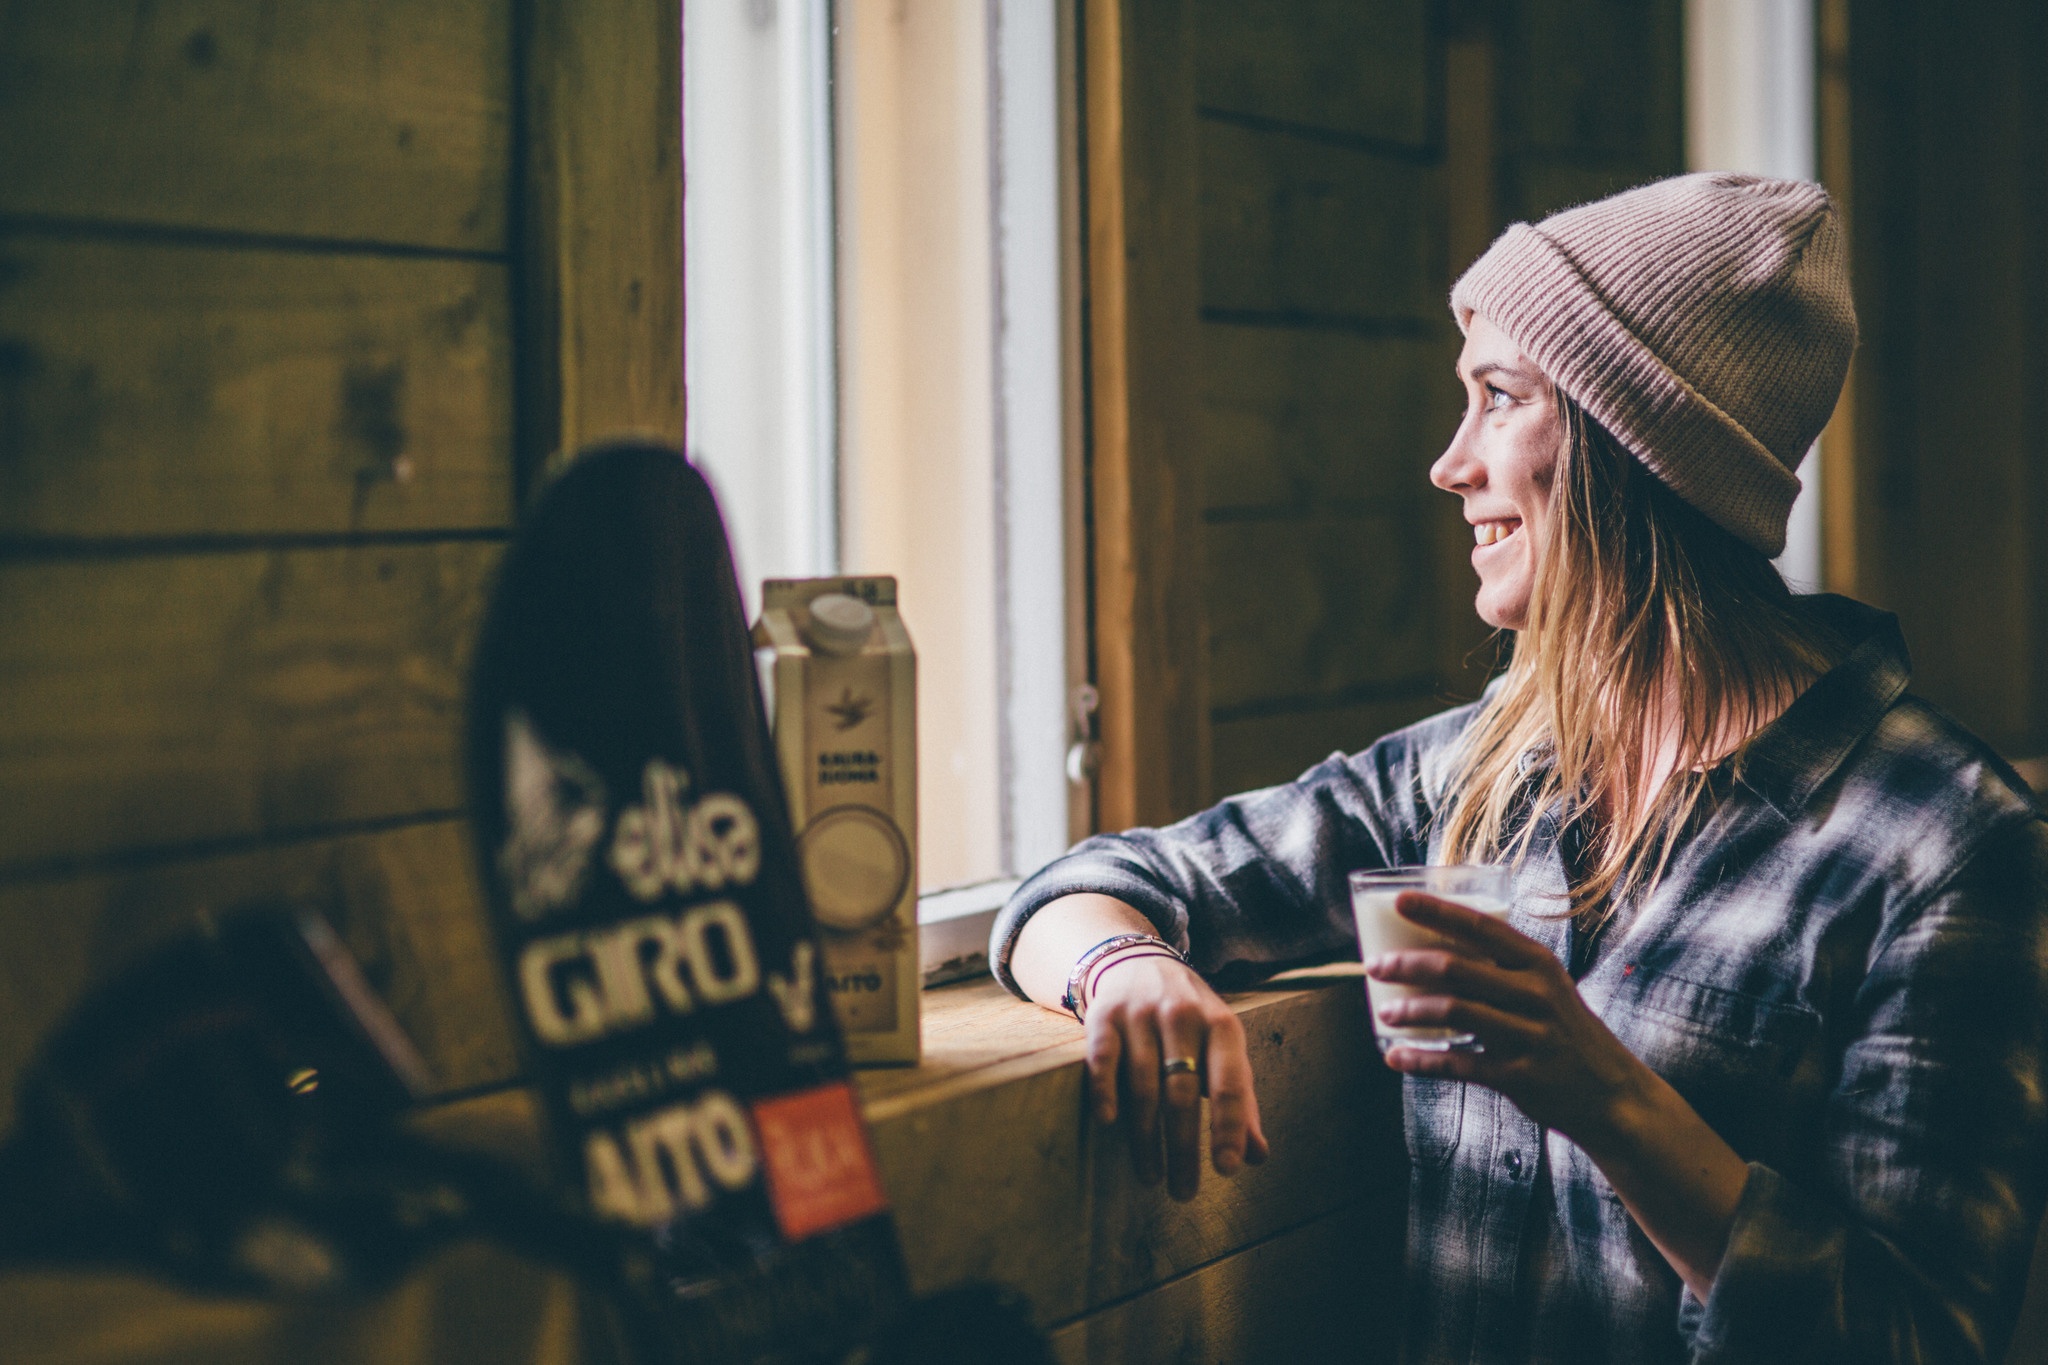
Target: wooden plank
[(153, 390), (1844, 492), (1332, 65), (1296, 228), (1325, 1291), (995, 1170), (1590, 100), (1546, 186), (1470, 140), (1150, 655), (1308, 608), (471, 1304), (603, 216), (1966, 551), (362, 120), (1294, 418), (406, 900), (968, 1028), (153, 701), (1261, 751), (1597, 79), (1333, 1114), (1010, 1140), (990, 1180)]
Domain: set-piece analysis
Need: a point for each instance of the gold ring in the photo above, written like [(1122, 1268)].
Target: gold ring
[(1179, 1066)]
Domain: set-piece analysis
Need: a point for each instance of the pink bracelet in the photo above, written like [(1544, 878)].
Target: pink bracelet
[(1108, 947), (1128, 955)]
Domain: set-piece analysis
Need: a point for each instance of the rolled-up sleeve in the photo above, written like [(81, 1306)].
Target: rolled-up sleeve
[(1910, 1238), (1256, 882)]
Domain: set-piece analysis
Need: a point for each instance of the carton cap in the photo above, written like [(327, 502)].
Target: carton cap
[(839, 624)]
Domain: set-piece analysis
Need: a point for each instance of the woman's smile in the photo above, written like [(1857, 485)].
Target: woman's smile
[(1501, 462), (1490, 533)]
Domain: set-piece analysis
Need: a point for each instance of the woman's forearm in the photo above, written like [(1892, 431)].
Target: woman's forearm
[(1680, 1180), (1054, 939)]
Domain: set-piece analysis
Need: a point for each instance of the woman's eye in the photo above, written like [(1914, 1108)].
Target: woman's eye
[(1495, 399)]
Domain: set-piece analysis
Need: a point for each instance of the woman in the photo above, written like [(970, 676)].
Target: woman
[(1761, 1071)]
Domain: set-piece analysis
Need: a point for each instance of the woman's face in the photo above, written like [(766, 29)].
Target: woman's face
[(1501, 462)]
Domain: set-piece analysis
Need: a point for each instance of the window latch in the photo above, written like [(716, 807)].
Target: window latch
[(1084, 754)]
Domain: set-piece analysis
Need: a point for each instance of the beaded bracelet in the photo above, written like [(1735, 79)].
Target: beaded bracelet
[(1071, 1001)]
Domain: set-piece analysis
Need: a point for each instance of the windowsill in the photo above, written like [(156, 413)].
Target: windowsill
[(994, 1172), (953, 928)]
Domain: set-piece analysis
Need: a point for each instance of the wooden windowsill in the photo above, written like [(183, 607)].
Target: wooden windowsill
[(996, 1173)]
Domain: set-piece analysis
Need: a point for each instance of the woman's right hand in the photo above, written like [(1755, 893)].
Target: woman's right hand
[(1142, 1012)]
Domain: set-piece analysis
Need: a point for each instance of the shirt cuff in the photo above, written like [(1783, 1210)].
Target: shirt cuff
[(1075, 874), (1782, 1268)]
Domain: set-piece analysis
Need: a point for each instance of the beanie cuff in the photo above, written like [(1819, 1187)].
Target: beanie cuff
[(1531, 289)]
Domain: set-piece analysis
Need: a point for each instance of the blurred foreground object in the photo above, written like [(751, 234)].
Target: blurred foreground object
[(221, 1113)]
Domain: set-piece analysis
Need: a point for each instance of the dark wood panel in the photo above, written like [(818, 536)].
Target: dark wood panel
[(470, 1304), (405, 899), (1010, 1156), (1931, 124), (357, 119), (1151, 663), (603, 252), (1310, 608), (1545, 186), (1292, 226), (1262, 751), (1334, 65), (1294, 418), (155, 701), (1056, 1210), (1332, 1112), (1590, 99), (1597, 78), (175, 390), (1329, 1290), (995, 1171)]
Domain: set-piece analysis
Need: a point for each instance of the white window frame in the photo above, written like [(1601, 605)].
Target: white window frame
[(1037, 420), (1040, 651)]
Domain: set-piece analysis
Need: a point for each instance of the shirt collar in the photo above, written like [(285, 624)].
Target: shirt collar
[(1792, 756)]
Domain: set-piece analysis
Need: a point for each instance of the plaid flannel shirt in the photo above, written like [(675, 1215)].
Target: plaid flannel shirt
[(1844, 969)]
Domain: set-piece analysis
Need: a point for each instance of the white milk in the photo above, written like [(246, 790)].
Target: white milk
[(1381, 929)]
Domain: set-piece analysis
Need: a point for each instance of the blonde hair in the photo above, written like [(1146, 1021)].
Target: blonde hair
[(1645, 620)]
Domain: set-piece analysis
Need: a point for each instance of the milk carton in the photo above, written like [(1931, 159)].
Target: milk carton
[(839, 668)]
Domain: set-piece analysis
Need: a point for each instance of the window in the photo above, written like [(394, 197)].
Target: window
[(1750, 107), (880, 343)]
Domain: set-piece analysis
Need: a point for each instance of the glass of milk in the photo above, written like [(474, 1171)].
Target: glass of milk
[(1381, 929)]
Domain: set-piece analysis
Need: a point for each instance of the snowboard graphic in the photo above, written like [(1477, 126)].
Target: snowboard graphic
[(652, 925)]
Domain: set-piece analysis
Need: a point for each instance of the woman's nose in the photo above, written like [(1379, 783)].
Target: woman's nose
[(1458, 469)]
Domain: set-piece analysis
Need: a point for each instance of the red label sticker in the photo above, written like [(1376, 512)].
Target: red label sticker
[(820, 1172)]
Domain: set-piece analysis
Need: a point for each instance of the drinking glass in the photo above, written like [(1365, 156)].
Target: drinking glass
[(1381, 929)]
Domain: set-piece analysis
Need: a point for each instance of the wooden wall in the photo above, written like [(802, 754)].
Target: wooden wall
[(1280, 193), (1932, 127), (267, 278)]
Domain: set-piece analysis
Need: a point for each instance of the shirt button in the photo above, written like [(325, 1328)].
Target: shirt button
[(1513, 1161)]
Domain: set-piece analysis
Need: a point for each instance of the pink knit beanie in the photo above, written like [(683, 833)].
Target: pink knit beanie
[(1704, 320)]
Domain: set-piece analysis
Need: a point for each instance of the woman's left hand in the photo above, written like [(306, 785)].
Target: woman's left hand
[(1544, 1049)]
